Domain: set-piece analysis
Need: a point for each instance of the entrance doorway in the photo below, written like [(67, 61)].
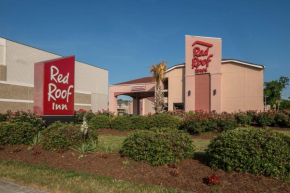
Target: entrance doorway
[(202, 92)]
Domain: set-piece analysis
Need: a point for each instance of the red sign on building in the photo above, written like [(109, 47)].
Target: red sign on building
[(54, 86), (201, 57), (138, 87)]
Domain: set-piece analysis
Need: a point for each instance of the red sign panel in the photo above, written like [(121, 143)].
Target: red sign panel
[(138, 87), (54, 87), (201, 57)]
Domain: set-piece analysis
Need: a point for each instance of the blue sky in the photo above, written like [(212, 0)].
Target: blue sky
[(127, 37)]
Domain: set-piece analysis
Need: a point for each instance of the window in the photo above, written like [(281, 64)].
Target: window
[(178, 106)]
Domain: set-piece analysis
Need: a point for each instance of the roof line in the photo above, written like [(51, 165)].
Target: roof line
[(243, 62), (175, 66), (50, 52)]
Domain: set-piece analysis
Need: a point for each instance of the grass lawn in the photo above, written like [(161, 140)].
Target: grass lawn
[(110, 143), (285, 132), (55, 180), (113, 143)]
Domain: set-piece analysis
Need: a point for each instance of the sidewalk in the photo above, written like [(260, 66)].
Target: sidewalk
[(8, 187)]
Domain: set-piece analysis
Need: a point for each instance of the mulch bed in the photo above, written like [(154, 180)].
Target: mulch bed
[(191, 172)]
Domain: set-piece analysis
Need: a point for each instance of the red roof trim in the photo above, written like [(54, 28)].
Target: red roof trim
[(202, 43)]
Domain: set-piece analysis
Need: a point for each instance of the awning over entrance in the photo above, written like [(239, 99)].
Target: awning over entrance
[(137, 89)]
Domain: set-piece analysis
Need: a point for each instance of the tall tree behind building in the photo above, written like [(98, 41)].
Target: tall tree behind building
[(273, 89)]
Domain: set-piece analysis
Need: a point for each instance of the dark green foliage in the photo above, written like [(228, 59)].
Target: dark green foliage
[(161, 129), (273, 89), (100, 122), (209, 122), (285, 104), (79, 116), (163, 120), (282, 119), (243, 119), (3, 117), (139, 122), (257, 151), (17, 133), (121, 123), (64, 136), (253, 114), (25, 117), (226, 123), (266, 118), (158, 148), (192, 126)]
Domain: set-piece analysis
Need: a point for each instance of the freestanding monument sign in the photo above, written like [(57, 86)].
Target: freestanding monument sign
[(54, 89)]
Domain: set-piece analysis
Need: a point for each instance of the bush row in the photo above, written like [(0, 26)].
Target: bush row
[(125, 123), (56, 136), (65, 135), (258, 151)]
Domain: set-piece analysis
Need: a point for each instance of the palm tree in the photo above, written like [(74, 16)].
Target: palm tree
[(158, 73)]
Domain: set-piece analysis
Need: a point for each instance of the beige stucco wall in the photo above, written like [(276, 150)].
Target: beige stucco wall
[(175, 87), (16, 97), (242, 88), (147, 107), (17, 78)]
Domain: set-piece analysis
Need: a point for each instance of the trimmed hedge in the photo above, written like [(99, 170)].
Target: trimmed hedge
[(161, 147), (122, 123), (258, 151), (64, 136), (282, 120), (266, 118), (209, 122), (243, 119), (3, 117), (17, 133), (79, 116), (25, 117), (100, 122), (139, 122), (163, 120)]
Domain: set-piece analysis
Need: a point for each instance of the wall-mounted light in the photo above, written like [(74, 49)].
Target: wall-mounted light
[(189, 93), (214, 92)]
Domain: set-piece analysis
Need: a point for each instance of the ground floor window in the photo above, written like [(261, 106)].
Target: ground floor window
[(178, 106)]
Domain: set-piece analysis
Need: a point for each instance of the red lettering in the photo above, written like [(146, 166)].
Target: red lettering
[(196, 51), (196, 61)]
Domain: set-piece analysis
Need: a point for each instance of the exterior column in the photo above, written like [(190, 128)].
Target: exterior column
[(113, 103), (136, 105)]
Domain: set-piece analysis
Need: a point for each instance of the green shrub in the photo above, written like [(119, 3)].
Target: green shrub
[(193, 126), (226, 122), (243, 119), (163, 120), (253, 114), (209, 122), (25, 117), (64, 136), (266, 118), (282, 120), (100, 122), (79, 116), (257, 151), (121, 123), (161, 129), (17, 133), (3, 117), (158, 148), (139, 122)]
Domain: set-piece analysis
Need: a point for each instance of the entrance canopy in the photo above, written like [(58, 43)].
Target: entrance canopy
[(137, 89)]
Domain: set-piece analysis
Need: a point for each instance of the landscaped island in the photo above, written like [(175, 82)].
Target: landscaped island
[(195, 152)]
